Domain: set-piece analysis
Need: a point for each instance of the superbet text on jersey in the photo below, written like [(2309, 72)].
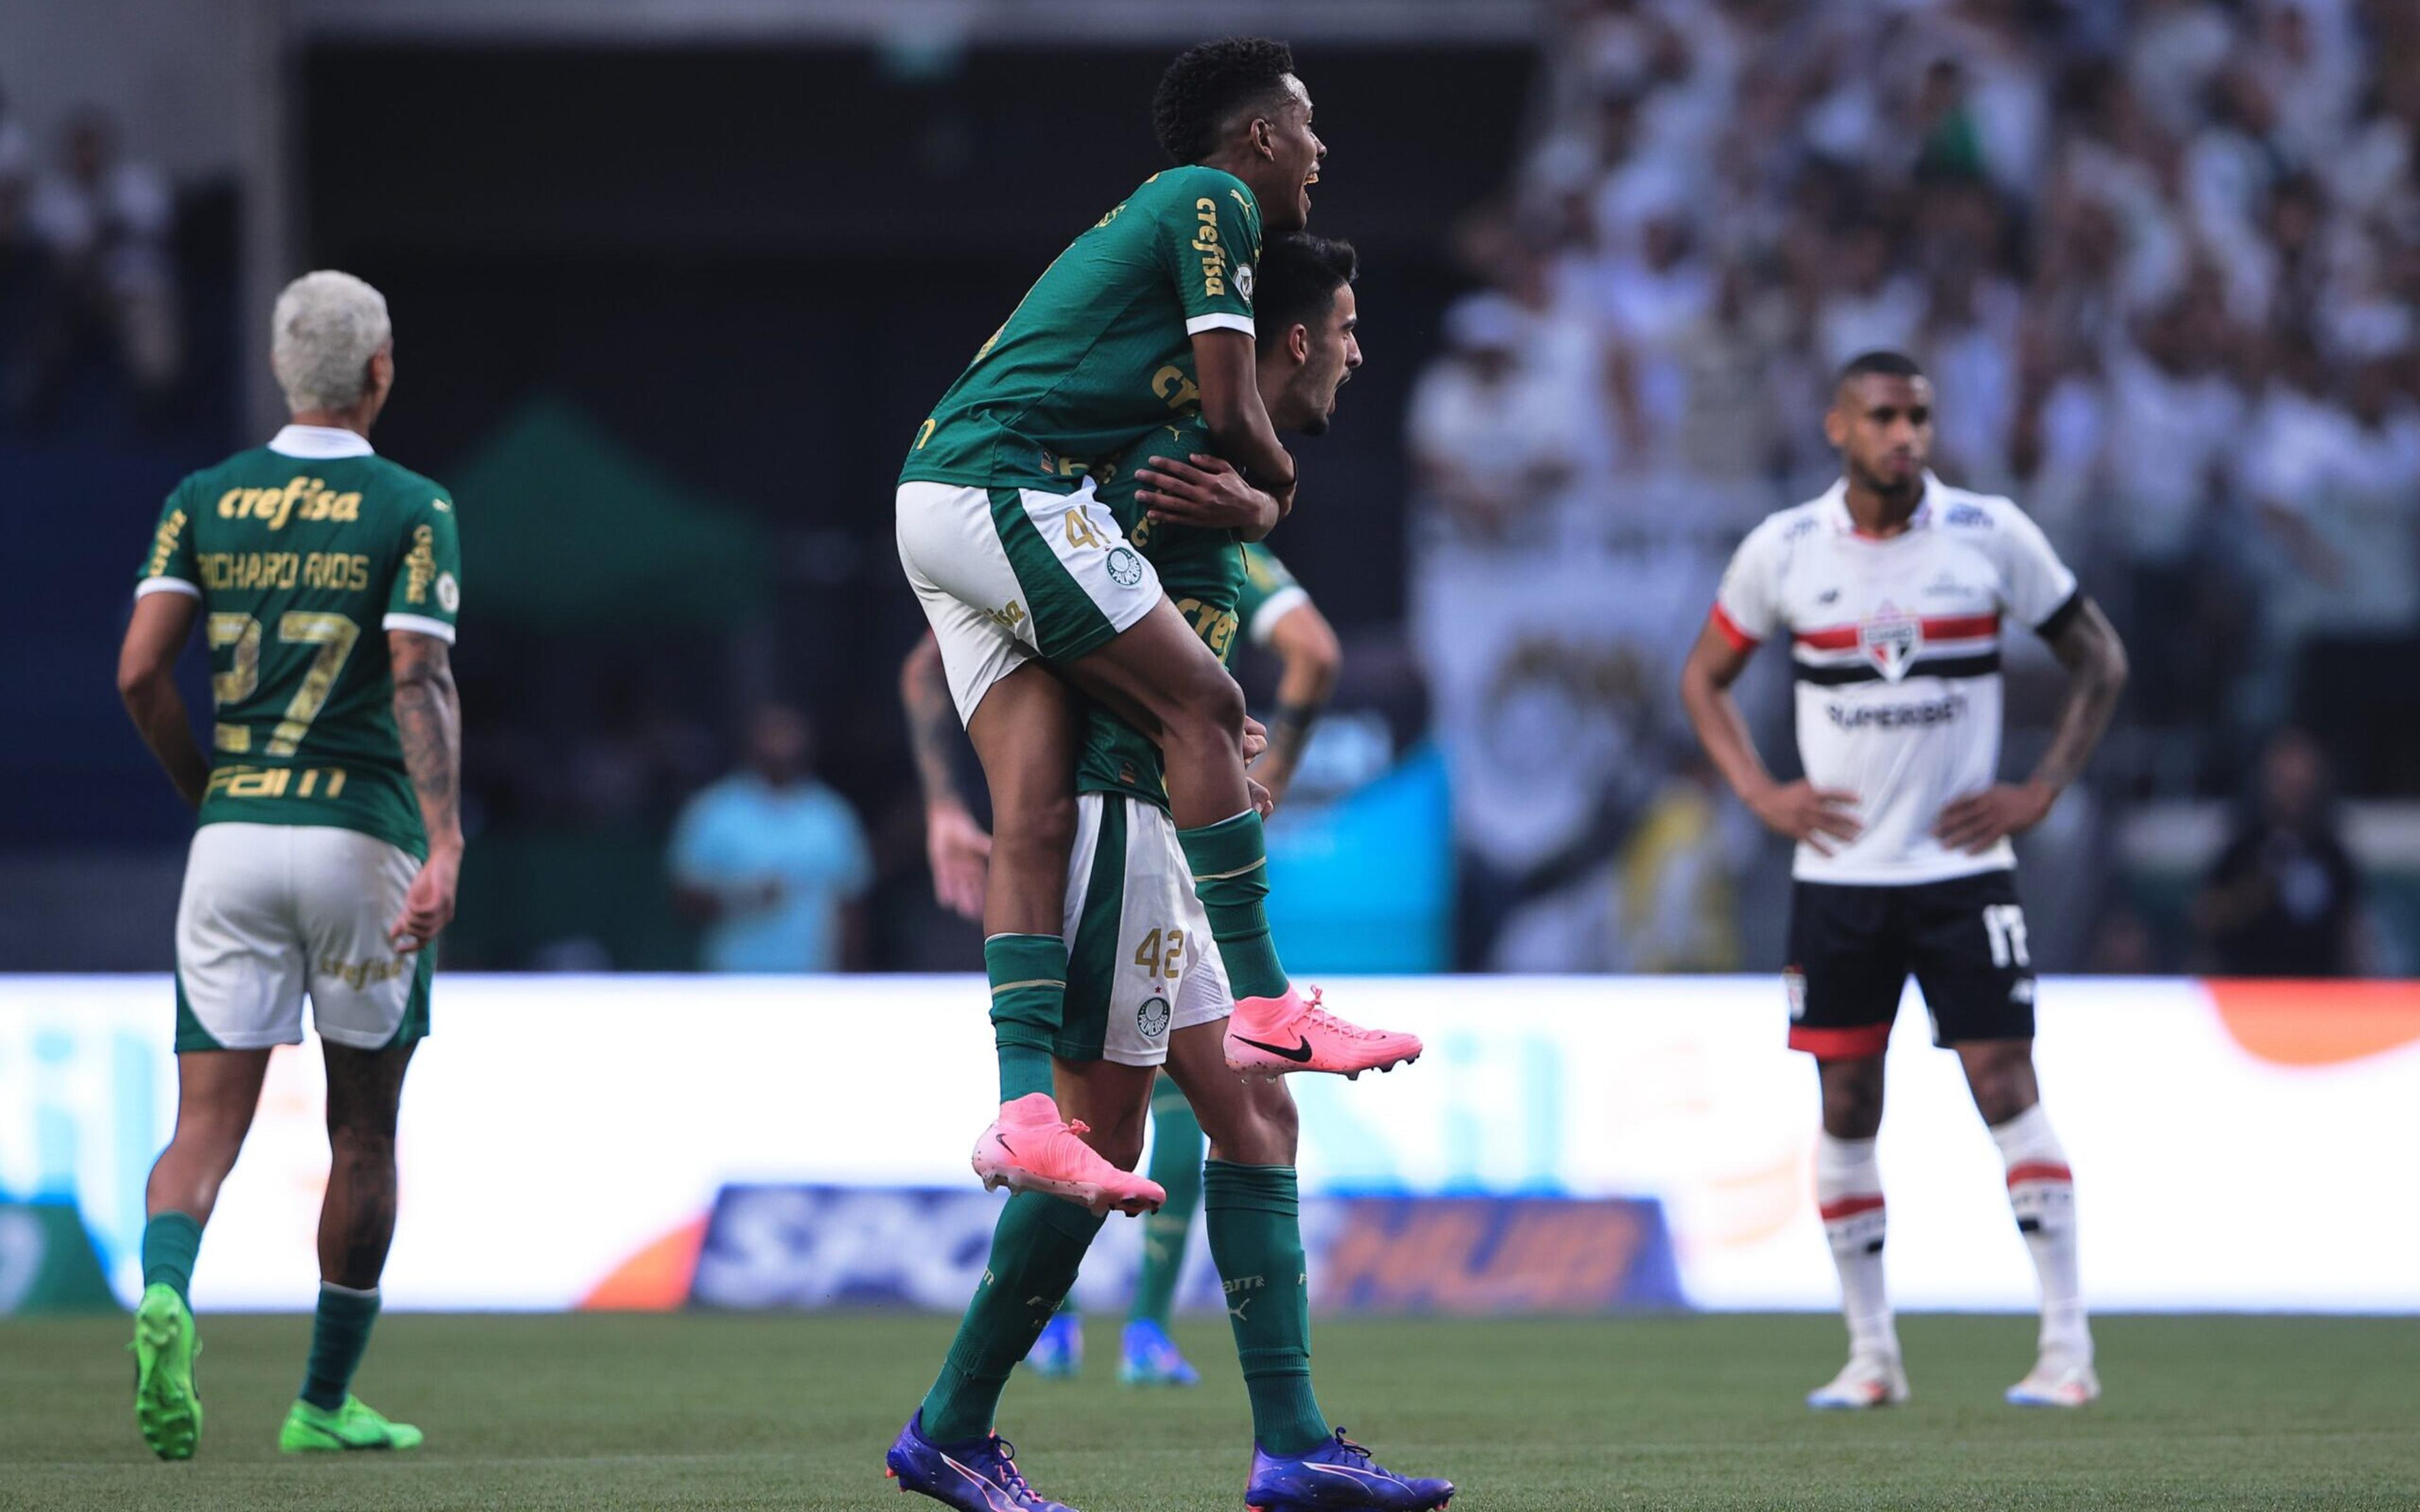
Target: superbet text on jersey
[(1895, 642)]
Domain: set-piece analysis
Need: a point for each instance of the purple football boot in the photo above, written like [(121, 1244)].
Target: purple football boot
[(979, 1475), (1338, 1474)]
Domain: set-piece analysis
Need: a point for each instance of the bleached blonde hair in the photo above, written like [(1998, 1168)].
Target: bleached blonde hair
[(326, 328)]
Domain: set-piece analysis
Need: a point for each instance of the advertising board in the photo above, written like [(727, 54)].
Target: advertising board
[(564, 1139)]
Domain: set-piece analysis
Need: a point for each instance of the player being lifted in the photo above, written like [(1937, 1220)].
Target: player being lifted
[(1892, 587), (1272, 611), (1144, 321), (1144, 991), (329, 833)]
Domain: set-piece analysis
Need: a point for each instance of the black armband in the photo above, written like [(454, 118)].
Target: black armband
[(1300, 716), (2061, 617)]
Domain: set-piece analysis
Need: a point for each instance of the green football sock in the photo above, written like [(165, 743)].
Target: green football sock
[(1035, 1255), (1177, 1166), (1231, 874), (340, 1333), (170, 1242), (1256, 1239), (1028, 998)]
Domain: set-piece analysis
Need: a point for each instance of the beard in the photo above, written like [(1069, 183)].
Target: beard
[(1894, 488)]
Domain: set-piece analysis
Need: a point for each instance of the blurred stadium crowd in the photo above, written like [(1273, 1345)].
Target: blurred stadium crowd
[(2161, 262), (87, 269)]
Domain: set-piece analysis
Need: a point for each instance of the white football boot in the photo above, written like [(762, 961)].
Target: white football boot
[(1866, 1381), (2056, 1380)]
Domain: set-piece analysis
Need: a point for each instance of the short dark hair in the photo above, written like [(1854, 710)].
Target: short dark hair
[(1299, 277), (1883, 363), (1208, 83)]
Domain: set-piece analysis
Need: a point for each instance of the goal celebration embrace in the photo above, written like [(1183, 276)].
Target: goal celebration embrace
[(1552, 756)]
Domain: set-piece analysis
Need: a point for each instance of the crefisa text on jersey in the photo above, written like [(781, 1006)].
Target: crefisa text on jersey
[(302, 498)]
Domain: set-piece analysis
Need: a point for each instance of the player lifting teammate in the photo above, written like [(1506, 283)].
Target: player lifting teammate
[(1892, 587), (1272, 611), (329, 833), (1031, 587), (1143, 991)]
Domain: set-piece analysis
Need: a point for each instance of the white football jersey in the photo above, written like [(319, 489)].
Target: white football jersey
[(1895, 644)]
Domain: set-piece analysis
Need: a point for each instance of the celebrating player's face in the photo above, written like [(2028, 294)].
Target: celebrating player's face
[(1333, 350), (1298, 151), (1882, 426)]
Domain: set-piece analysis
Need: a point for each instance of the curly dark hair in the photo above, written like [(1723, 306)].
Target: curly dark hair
[(1299, 275), (1206, 83)]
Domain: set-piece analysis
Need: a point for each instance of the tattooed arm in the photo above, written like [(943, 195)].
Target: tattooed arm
[(955, 846), (428, 720), (2088, 646)]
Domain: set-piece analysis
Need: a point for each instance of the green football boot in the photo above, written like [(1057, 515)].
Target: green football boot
[(165, 1408), (312, 1430)]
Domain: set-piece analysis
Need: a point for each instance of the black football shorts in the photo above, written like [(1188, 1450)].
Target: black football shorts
[(1851, 949)]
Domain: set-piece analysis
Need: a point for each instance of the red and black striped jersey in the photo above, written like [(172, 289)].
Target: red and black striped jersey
[(1895, 642)]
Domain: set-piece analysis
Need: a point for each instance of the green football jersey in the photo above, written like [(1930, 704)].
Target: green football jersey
[(1100, 351), (1267, 594), (1202, 571), (302, 563)]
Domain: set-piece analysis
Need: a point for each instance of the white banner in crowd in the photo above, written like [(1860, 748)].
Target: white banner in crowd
[(2236, 1146)]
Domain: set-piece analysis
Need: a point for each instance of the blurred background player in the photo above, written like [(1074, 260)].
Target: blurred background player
[(1892, 587), (1144, 991), (1272, 611), (1145, 320), (1276, 615), (330, 836), (772, 861)]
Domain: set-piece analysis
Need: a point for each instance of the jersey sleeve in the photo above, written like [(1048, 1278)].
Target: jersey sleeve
[(2037, 586), (170, 567), (1210, 241), (1268, 594), (1748, 609), (426, 593)]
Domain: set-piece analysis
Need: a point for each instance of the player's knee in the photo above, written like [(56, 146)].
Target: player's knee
[(1852, 1098), (2003, 1087), (1044, 821), (208, 1147), (361, 1127), (211, 1135), (1210, 713)]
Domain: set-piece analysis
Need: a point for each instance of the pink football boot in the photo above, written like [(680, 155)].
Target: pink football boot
[(1028, 1149), (1274, 1036)]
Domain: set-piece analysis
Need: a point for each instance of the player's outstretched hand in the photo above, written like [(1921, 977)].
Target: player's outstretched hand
[(1808, 814), (1206, 492), (961, 854), (1256, 739), (429, 905), (1262, 803), (1980, 821)]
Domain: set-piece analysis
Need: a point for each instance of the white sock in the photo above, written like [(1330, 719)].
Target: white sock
[(1849, 1193), (2041, 1191)]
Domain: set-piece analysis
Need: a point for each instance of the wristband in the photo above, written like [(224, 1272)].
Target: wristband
[(1298, 717)]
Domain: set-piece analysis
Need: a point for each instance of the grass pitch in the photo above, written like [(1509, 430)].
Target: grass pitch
[(707, 1411)]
